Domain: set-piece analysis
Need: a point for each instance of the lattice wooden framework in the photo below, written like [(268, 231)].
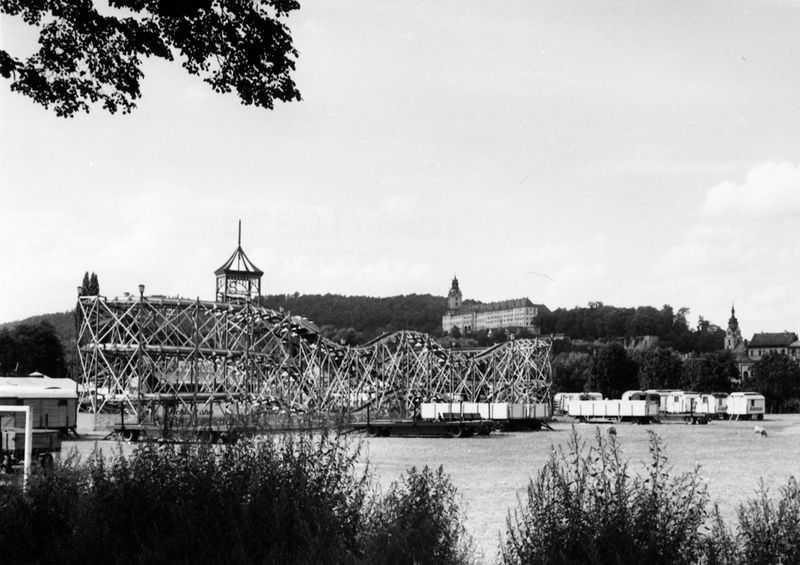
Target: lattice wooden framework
[(198, 361)]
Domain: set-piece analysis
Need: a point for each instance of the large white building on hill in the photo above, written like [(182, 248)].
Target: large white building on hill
[(516, 313)]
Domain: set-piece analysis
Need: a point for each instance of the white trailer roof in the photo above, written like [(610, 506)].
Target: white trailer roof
[(37, 387)]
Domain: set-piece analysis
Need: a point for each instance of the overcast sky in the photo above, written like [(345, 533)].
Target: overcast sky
[(633, 152)]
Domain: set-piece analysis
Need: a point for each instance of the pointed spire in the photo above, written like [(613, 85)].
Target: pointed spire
[(238, 261)]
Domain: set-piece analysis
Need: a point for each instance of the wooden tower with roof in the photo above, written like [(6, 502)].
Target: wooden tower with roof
[(238, 279)]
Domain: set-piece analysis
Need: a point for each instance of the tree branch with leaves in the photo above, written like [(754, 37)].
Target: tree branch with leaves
[(89, 57)]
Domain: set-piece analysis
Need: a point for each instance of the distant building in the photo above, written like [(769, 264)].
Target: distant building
[(738, 347), (517, 313), (747, 353), (733, 335), (781, 342)]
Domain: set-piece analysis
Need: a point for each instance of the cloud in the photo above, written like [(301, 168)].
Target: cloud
[(770, 189), (743, 247)]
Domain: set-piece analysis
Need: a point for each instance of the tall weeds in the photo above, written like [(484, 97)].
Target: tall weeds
[(585, 506), (419, 521), (769, 529), (297, 499)]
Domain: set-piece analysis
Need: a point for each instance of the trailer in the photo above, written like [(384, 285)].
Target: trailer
[(53, 402), (562, 399), (663, 396), (715, 404), (746, 406), (679, 406), (641, 411), (680, 402)]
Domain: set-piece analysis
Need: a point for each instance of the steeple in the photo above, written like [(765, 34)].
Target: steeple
[(454, 296), (733, 335), (238, 279)]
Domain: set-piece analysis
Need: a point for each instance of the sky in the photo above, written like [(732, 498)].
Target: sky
[(632, 152)]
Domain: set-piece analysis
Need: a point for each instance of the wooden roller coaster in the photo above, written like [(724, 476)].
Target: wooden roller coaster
[(195, 363)]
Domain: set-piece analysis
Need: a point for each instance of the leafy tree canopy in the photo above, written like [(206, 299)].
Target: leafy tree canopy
[(777, 377), (710, 372), (90, 286), (89, 56), (572, 371), (31, 347), (613, 371), (600, 321), (659, 368)]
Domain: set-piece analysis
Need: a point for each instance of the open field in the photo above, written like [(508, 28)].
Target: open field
[(491, 471)]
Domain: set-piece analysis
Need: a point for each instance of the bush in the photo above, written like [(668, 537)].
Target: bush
[(295, 499), (769, 530), (586, 507), (289, 500), (419, 521)]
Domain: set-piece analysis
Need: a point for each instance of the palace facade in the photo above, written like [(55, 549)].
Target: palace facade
[(746, 353), (516, 313)]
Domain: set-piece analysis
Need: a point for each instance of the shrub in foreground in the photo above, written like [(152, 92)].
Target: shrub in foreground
[(769, 529), (295, 499), (585, 506), (419, 521)]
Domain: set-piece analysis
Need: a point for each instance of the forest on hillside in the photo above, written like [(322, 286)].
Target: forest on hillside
[(598, 321), (355, 319)]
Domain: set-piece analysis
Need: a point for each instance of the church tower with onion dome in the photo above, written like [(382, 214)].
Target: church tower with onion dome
[(733, 335)]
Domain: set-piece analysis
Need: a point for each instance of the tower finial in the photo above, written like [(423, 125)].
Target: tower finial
[(240, 232)]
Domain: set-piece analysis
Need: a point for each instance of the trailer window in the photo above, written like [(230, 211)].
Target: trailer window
[(62, 402)]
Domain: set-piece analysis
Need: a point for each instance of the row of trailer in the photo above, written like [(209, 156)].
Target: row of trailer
[(661, 405)]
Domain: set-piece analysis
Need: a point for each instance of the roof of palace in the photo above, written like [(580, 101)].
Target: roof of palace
[(777, 339), (497, 306)]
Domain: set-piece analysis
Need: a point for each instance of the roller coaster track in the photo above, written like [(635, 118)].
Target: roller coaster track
[(202, 358)]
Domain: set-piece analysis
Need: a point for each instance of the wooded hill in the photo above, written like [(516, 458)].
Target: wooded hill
[(355, 319)]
